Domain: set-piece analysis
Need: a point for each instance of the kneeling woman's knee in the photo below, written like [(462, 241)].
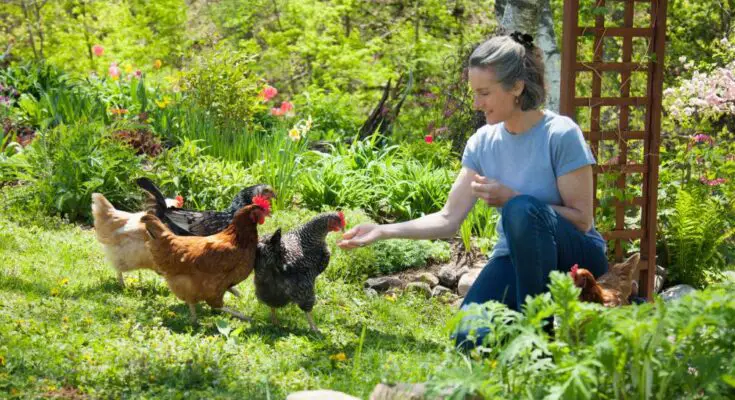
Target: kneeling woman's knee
[(519, 212)]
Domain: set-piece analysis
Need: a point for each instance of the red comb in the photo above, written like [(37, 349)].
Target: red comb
[(179, 201), (573, 272), (263, 203), (342, 218)]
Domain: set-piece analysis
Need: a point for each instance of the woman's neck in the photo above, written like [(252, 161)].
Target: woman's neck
[(521, 121)]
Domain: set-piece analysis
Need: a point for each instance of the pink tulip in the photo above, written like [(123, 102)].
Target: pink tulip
[(429, 139), (98, 50), (114, 71)]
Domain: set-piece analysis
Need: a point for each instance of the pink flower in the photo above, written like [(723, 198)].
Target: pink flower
[(98, 50), (286, 109), (276, 111), (702, 138), (286, 106), (429, 139), (114, 71), (268, 93), (138, 73)]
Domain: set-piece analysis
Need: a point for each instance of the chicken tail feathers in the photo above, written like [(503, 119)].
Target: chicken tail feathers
[(100, 207), (159, 206), (155, 228)]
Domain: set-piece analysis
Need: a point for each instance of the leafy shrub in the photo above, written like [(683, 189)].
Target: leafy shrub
[(662, 350), (694, 239), (204, 181), (223, 83), (401, 254), (69, 163)]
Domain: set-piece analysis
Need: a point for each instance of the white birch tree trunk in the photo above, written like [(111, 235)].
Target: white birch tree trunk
[(535, 17)]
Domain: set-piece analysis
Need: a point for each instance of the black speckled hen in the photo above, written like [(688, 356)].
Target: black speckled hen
[(286, 266)]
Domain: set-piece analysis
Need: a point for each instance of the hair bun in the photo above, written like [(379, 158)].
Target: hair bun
[(523, 38)]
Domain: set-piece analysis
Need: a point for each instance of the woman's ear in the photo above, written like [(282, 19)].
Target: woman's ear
[(518, 88)]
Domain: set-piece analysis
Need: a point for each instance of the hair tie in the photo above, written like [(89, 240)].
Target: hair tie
[(523, 38)]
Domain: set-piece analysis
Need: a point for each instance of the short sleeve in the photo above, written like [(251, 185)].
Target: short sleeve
[(470, 157), (570, 151)]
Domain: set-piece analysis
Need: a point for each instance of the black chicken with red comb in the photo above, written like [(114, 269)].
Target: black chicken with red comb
[(286, 266)]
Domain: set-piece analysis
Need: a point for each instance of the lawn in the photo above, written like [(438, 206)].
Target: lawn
[(67, 327)]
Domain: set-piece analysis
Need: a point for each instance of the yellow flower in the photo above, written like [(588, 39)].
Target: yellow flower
[(157, 64), (338, 357), (294, 134), (493, 364), (392, 297), (128, 69), (164, 102), (65, 319), (64, 281), (54, 291)]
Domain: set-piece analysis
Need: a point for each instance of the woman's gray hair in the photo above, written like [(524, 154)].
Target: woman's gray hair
[(510, 61)]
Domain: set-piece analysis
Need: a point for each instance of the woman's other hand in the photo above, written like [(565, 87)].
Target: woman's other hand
[(359, 236), (491, 191)]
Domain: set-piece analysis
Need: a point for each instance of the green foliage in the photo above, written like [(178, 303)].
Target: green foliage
[(204, 181), (101, 341), (67, 164), (656, 350), (223, 83), (694, 240), (133, 33), (401, 254)]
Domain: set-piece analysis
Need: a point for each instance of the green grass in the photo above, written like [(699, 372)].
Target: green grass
[(66, 325)]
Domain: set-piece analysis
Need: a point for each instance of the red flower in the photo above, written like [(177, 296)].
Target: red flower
[(429, 139), (98, 50)]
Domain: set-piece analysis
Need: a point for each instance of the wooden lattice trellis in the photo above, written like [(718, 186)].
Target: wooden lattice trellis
[(632, 142)]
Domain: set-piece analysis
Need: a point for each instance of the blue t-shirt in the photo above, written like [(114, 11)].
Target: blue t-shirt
[(531, 162)]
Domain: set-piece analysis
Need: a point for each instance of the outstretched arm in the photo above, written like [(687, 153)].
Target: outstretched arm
[(441, 224)]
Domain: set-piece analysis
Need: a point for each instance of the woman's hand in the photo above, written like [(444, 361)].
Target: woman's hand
[(491, 191), (359, 236)]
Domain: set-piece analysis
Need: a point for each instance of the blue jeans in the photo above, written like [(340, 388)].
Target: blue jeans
[(540, 241)]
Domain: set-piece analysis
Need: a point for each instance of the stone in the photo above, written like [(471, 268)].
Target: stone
[(427, 277), (400, 391), (383, 283), (440, 290), (450, 274), (371, 293), (676, 292), (466, 281), (320, 395), (421, 287)]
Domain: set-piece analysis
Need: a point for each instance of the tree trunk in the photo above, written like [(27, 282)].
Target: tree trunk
[(535, 17)]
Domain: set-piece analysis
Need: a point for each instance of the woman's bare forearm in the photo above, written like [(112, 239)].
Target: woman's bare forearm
[(432, 226)]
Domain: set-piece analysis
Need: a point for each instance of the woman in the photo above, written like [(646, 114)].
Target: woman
[(533, 165)]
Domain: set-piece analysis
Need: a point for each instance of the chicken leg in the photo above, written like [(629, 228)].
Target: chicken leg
[(234, 313), (312, 325)]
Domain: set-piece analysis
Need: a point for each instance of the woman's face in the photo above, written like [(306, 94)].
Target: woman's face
[(490, 97)]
